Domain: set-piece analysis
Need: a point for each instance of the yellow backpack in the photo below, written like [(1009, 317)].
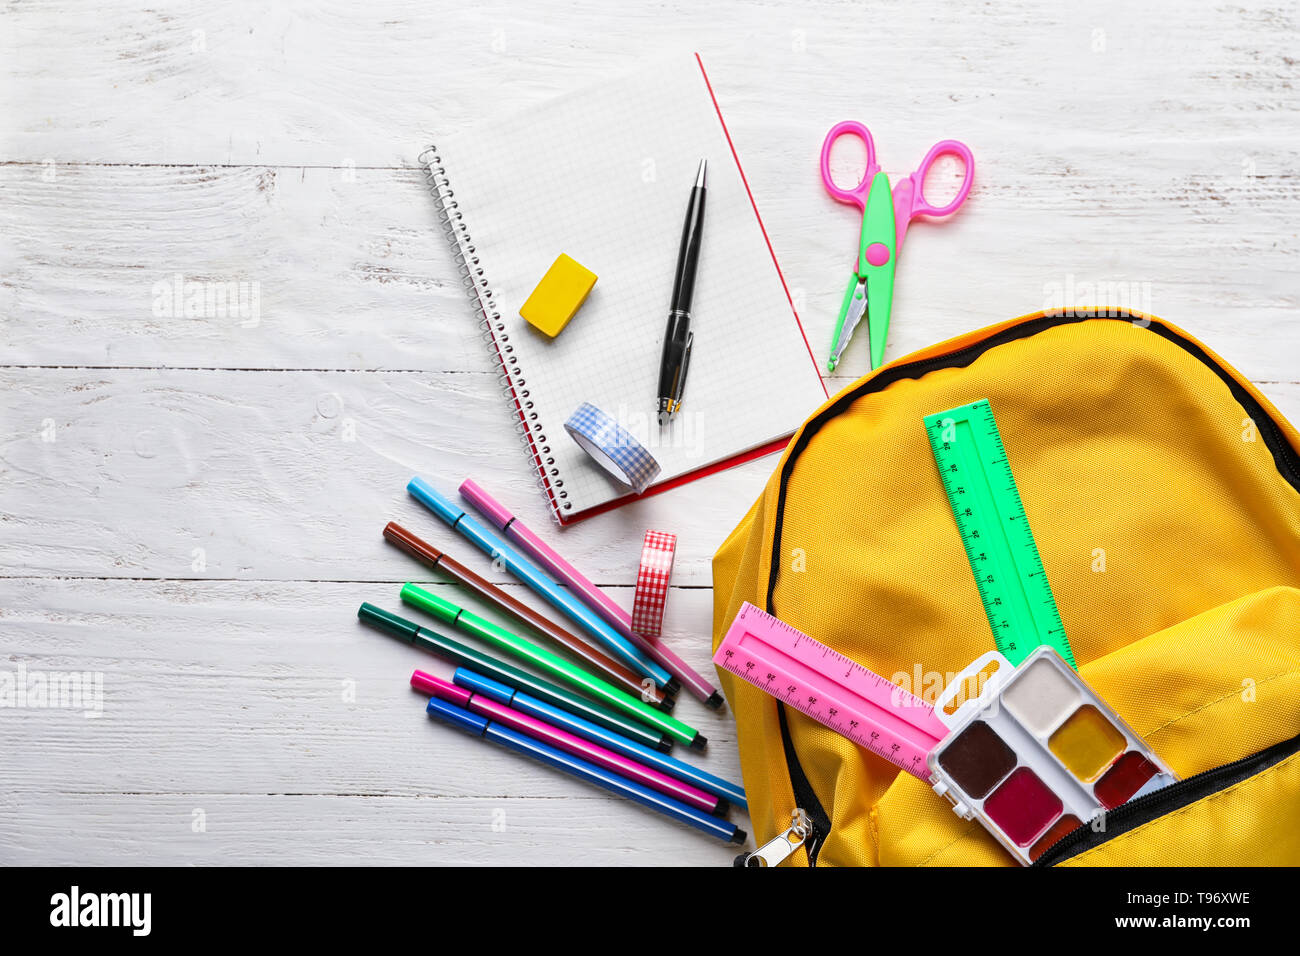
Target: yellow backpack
[(1164, 494)]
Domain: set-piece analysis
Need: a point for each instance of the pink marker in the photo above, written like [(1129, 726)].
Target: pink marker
[(592, 596), (563, 740)]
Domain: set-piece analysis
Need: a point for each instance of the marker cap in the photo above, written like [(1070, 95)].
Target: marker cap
[(437, 687), (440, 608), (412, 545), (490, 508), (424, 492), (388, 621), (457, 716)]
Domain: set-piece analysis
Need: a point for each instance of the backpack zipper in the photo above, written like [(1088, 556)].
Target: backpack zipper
[(819, 823), (804, 795), (777, 850), (1135, 813), (1288, 464)]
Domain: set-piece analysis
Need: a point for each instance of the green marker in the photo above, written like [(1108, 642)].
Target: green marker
[(464, 656), (994, 529), (456, 615)]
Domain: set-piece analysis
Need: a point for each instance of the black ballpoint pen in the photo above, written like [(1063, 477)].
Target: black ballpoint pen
[(678, 337)]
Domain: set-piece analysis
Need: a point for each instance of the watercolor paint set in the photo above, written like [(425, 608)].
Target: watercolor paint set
[(1037, 753)]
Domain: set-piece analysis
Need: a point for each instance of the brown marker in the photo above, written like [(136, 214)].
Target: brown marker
[(620, 676)]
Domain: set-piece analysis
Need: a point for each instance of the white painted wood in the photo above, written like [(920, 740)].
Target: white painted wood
[(355, 275), (580, 828), (292, 476), (1115, 142), (269, 707), (251, 475)]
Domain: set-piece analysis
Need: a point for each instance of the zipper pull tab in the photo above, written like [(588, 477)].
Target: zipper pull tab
[(778, 849)]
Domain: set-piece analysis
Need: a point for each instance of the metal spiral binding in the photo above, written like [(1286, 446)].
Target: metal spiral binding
[(510, 380)]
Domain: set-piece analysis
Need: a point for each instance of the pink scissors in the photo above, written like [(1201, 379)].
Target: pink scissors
[(885, 217)]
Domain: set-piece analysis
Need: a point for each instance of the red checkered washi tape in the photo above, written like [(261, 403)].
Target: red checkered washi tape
[(657, 552)]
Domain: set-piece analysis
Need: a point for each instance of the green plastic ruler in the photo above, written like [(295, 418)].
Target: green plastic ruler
[(999, 542)]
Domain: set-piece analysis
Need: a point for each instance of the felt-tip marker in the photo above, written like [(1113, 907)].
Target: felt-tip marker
[(481, 726), (464, 656), (542, 583), (526, 703), (552, 664), (548, 733), (616, 673)]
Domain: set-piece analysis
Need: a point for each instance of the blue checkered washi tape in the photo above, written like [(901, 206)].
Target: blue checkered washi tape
[(612, 446)]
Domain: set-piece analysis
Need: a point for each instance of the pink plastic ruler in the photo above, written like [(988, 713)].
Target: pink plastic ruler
[(831, 689)]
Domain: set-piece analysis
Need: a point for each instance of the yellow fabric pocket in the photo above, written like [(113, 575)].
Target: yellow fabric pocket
[(1209, 691), (1248, 823)]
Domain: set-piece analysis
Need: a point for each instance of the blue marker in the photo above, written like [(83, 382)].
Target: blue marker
[(524, 703), (482, 727), (542, 583)]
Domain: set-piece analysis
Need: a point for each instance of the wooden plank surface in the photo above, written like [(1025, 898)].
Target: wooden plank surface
[(267, 706), (192, 504)]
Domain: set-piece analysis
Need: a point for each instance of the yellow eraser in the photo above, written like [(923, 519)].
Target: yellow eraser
[(557, 297)]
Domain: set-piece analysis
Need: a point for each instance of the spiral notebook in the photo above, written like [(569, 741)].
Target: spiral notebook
[(603, 175)]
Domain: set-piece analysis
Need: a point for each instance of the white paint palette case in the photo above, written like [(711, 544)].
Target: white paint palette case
[(1037, 753)]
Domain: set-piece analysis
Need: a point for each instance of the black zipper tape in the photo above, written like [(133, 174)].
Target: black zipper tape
[(820, 823), (1288, 464), (1174, 797)]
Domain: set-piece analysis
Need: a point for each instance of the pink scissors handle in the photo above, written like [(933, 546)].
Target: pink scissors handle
[(909, 193), (856, 196), (947, 147)]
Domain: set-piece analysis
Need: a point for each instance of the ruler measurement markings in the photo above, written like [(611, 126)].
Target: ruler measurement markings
[(872, 712), (995, 531), (807, 681)]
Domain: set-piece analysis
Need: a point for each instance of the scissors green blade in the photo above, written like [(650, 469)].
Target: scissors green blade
[(871, 288)]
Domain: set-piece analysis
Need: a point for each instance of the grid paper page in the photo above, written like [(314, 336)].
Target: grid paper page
[(604, 175)]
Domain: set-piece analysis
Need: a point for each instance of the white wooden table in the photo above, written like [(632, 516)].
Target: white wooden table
[(191, 506)]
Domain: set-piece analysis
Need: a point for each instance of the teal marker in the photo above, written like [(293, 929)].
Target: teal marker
[(465, 656), (553, 664)]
